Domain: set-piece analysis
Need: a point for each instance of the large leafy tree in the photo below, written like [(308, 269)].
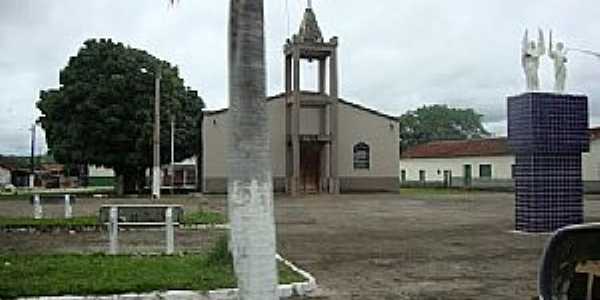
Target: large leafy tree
[(439, 122), (102, 113)]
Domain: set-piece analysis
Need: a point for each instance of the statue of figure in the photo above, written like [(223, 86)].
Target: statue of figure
[(530, 59), (559, 56)]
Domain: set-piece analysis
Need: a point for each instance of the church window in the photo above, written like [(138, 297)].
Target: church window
[(362, 156)]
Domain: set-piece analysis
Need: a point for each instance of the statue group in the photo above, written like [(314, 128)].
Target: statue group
[(530, 58)]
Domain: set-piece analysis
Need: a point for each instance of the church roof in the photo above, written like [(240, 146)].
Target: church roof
[(281, 96), (309, 28)]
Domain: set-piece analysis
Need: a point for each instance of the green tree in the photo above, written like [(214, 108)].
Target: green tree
[(439, 122), (102, 113)]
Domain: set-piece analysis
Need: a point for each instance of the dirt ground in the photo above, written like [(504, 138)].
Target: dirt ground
[(363, 246)]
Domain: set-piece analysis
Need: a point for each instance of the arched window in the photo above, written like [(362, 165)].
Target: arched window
[(362, 156)]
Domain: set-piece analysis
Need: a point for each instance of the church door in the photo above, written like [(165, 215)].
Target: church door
[(310, 166)]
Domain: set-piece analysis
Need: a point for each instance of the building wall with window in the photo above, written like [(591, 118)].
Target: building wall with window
[(442, 164), (358, 127), (451, 172)]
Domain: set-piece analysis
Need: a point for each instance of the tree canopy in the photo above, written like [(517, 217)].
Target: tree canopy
[(102, 112), (439, 122)]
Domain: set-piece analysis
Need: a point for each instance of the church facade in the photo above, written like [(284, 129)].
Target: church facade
[(320, 143)]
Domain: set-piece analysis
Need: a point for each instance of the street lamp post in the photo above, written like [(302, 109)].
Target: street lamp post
[(32, 175), (156, 172)]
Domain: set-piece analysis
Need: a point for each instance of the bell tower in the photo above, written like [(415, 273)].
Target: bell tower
[(312, 117)]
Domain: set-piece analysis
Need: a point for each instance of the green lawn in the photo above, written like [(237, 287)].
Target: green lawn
[(30, 276), (193, 218), (204, 217), (47, 224)]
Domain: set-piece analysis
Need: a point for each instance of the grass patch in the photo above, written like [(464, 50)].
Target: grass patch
[(80, 275), (193, 218), (204, 217), (47, 224)]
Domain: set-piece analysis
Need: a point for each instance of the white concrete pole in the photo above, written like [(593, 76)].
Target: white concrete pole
[(170, 231), (113, 231), (156, 173), (38, 212), (172, 155), (68, 207)]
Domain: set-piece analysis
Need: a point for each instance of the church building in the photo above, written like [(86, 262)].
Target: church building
[(320, 143)]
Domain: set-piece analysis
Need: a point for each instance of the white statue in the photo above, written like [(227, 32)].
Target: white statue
[(559, 56), (530, 59)]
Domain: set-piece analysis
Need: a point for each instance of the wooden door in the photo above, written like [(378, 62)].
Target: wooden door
[(310, 167)]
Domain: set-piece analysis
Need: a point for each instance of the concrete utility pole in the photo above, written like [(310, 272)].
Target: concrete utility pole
[(32, 175), (156, 178), (172, 154)]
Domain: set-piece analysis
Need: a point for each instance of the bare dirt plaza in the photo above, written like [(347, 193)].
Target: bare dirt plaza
[(412, 245)]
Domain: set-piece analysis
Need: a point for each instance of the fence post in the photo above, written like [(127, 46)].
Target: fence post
[(170, 231), (68, 207), (113, 231), (38, 212)]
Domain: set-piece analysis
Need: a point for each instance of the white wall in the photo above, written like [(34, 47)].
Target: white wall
[(215, 137), (501, 167), (5, 177), (380, 133), (591, 162), (99, 171), (310, 120)]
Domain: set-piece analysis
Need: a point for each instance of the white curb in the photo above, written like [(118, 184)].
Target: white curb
[(284, 290)]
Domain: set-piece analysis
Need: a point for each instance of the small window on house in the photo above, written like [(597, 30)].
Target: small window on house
[(362, 156), (403, 175), (485, 171), (512, 171), (422, 175)]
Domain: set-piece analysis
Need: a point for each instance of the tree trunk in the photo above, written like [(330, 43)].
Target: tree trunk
[(250, 186), (127, 182)]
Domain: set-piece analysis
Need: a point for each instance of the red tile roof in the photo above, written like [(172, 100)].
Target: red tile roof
[(445, 149), (462, 148)]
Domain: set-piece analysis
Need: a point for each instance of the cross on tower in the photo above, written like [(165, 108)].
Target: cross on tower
[(309, 4)]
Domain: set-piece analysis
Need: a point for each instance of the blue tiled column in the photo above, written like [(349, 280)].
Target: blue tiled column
[(548, 133)]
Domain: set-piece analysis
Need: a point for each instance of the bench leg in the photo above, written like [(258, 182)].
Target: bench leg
[(68, 207), (170, 231), (38, 212), (113, 231), (590, 288)]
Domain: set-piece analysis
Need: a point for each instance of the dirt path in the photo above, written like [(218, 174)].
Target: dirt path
[(412, 247)]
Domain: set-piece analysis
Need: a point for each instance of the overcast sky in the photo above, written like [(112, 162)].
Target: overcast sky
[(394, 55)]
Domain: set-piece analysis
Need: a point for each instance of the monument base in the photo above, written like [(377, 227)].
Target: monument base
[(548, 132)]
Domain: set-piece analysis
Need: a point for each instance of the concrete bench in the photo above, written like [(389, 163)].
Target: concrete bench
[(39, 200), (141, 215)]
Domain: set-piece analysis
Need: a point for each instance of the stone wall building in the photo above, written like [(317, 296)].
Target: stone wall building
[(320, 143)]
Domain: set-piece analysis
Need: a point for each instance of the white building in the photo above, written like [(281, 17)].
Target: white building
[(5, 176), (483, 163)]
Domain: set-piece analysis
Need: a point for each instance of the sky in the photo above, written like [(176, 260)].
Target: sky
[(395, 55)]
